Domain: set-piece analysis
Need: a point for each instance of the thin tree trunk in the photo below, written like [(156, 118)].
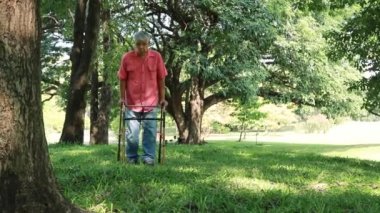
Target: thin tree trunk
[(257, 134), (245, 131), (102, 98), (94, 103), (104, 114), (86, 30), (241, 131), (105, 100), (27, 183)]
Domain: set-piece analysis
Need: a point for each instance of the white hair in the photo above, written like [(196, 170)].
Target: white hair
[(142, 36)]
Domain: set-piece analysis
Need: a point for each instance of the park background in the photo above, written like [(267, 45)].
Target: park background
[(274, 105)]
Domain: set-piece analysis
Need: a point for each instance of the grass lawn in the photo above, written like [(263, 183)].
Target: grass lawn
[(221, 177)]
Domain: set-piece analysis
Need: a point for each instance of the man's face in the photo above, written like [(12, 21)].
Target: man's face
[(141, 47)]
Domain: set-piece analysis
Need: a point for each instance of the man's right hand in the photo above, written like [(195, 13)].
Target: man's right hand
[(122, 103)]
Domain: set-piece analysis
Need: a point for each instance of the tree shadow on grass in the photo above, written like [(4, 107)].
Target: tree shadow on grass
[(210, 178)]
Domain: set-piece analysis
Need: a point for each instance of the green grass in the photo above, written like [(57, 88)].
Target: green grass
[(220, 177)]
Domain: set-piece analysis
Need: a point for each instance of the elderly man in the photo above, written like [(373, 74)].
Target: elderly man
[(142, 86)]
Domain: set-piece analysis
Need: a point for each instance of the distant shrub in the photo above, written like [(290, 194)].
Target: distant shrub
[(279, 117), (317, 124), (219, 128), (340, 120)]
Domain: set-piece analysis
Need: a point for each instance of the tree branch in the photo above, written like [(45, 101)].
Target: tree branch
[(52, 22), (214, 99), (122, 9), (50, 81), (270, 94), (51, 95), (372, 112)]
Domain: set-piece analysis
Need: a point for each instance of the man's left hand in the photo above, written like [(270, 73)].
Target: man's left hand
[(163, 104)]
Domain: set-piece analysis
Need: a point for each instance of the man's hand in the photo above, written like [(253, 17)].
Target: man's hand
[(163, 104), (122, 104)]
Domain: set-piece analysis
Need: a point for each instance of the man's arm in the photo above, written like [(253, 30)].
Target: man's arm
[(122, 75), (161, 90), (161, 74)]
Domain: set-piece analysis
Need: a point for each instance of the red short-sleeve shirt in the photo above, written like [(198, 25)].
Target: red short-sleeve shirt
[(141, 75)]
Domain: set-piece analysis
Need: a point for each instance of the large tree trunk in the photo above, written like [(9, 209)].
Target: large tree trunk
[(86, 30), (188, 119), (195, 112), (27, 183), (175, 109)]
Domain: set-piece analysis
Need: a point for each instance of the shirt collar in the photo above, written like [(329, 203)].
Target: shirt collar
[(150, 53)]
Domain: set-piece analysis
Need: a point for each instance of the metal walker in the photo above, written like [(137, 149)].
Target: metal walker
[(121, 140)]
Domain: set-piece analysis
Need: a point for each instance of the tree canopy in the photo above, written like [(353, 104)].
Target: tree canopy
[(358, 40), (217, 50)]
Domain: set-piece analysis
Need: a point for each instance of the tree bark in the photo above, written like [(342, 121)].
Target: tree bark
[(241, 131), (86, 30), (175, 107), (188, 116), (104, 114), (94, 102), (195, 112), (105, 101), (27, 183), (102, 106), (179, 118)]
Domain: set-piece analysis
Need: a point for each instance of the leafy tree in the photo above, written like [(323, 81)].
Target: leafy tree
[(248, 113), (113, 43), (212, 51), (299, 68), (358, 40), (86, 30), (57, 25), (216, 51)]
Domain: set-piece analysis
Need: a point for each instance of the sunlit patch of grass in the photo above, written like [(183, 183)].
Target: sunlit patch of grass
[(255, 184), (360, 152), (220, 177)]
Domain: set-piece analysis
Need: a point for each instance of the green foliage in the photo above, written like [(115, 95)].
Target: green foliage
[(278, 117), (228, 46), (55, 66), (219, 128), (57, 27), (248, 114), (222, 177), (301, 71), (358, 40), (219, 42)]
